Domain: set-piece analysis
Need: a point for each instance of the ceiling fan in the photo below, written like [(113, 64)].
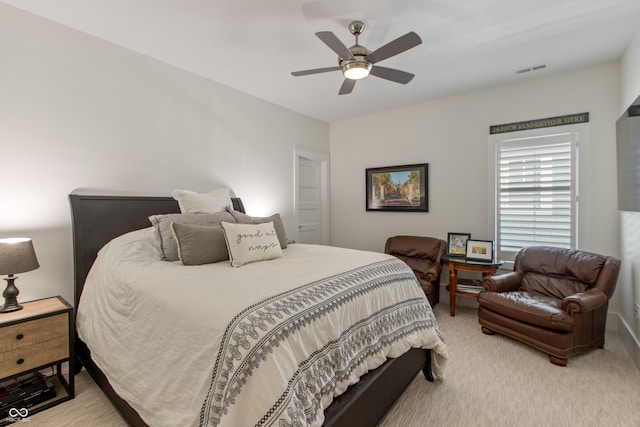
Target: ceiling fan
[(357, 62)]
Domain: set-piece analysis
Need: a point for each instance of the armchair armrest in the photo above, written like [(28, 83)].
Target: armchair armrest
[(432, 273), (503, 282), (584, 301)]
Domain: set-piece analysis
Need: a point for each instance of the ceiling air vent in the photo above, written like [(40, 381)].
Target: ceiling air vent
[(526, 70)]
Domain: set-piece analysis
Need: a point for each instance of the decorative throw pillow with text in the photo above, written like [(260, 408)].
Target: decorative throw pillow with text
[(251, 242)]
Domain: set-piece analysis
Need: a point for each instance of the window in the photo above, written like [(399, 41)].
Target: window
[(535, 191)]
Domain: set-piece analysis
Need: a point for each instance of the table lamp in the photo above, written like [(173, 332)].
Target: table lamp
[(16, 256)]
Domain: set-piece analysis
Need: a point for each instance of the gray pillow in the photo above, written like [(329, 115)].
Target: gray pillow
[(200, 244), (275, 218), (162, 226)]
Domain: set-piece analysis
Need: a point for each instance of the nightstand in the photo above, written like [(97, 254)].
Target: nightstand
[(39, 338)]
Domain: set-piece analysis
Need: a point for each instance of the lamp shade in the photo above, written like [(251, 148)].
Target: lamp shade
[(17, 256)]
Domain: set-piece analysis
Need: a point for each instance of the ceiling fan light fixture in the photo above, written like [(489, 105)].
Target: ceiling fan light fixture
[(356, 70), (356, 62)]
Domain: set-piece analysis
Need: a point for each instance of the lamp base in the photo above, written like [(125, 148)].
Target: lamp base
[(7, 308), (10, 295)]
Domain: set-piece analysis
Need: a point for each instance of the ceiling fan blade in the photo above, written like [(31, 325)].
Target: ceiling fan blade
[(395, 47), (315, 71), (335, 44), (347, 86), (392, 74)]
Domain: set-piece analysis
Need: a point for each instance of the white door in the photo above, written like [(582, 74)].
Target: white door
[(311, 199)]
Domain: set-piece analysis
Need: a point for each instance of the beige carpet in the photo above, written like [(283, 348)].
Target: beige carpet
[(491, 381)]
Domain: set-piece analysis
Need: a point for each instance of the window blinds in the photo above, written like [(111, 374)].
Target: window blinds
[(536, 193)]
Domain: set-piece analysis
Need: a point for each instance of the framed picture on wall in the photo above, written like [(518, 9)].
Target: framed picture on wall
[(398, 188), (480, 250), (457, 244)]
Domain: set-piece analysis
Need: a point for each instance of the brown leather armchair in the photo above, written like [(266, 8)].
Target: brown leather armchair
[(555, 300), (423, 255)]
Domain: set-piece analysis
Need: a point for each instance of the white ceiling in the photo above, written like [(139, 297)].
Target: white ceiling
[(254, 45)]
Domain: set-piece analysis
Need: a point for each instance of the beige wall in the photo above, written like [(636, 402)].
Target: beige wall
[(629, 282), (451, 135), (77, 112), (630, 73)]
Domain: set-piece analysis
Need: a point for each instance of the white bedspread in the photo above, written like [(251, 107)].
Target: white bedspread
[(205, 345)]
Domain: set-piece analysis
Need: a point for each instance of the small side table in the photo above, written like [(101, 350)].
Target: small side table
[(462, 264)]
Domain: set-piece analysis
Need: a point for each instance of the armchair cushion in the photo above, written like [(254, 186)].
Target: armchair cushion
[(532, 308), (423, 252), (584, 266), (558, 272), (557, 287)]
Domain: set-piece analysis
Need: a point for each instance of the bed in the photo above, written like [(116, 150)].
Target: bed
[(97, 220)]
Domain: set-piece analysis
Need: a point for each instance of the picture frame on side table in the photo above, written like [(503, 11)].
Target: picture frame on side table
[(457, 244), (398, 188), (480, 250)]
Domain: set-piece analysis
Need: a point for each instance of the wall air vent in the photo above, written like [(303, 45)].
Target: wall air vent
[(526, 70)]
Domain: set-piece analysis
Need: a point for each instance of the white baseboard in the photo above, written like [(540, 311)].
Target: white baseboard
[(629, 339)]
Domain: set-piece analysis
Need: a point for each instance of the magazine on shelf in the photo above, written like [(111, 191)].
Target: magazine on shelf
[(469, 289), (469, 286)]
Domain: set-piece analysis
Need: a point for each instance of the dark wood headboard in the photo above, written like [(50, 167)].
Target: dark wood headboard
[(96, 220)]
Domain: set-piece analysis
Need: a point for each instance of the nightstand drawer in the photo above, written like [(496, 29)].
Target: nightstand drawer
[(29, 357), (34, 331)]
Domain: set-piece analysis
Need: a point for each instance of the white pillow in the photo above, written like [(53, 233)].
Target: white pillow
[(251, 242), (192, 202)]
